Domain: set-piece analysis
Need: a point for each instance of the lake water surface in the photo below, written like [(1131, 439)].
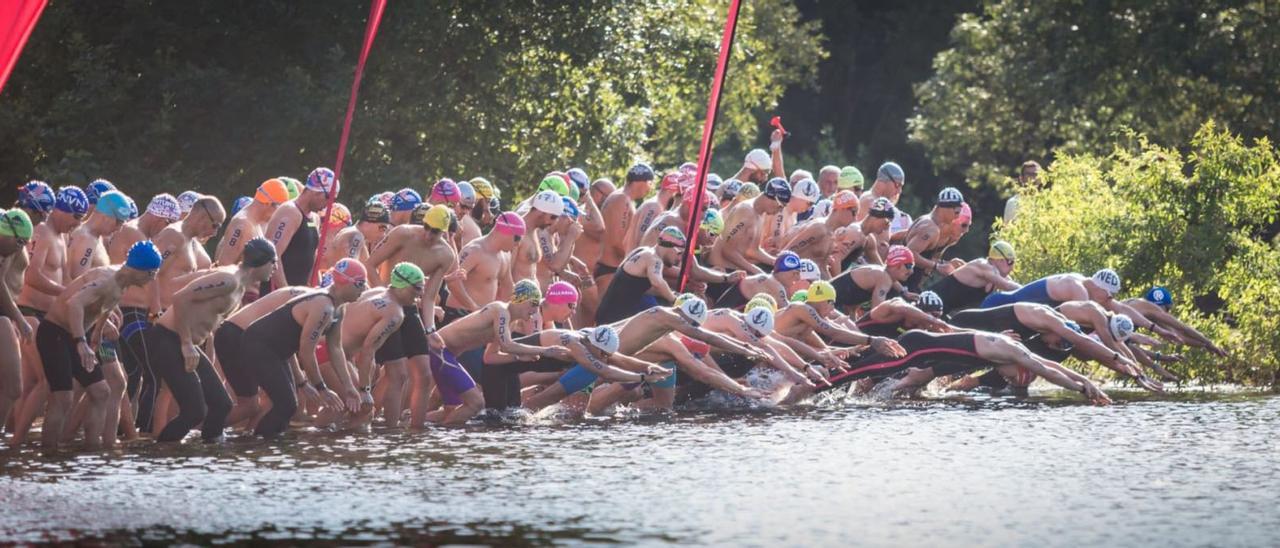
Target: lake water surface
[(1192, 469)]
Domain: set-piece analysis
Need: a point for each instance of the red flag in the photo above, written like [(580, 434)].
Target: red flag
[(17, 19)]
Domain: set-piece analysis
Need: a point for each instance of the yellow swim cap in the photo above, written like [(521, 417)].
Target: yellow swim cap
[(821, 291), (438, 217), (1001, 249)]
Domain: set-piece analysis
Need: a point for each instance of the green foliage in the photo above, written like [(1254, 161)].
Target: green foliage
[(1028, 79), (219, 96), (1201, 224)]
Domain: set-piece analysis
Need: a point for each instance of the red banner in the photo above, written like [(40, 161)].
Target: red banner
[(17, 20)]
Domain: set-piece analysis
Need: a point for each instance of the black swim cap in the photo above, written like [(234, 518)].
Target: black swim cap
[(640, 172), (258, 252)]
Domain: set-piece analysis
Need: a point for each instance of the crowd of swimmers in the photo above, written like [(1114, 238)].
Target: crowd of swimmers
[(123, 323)]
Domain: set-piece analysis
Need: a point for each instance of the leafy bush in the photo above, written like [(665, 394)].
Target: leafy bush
[(1202, 224)]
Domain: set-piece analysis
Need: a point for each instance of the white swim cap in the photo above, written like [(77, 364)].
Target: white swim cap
[(807, 190), (1107, 279), (604, 338), (760, 320), (693, 307), (759, 159), (1121, 327)]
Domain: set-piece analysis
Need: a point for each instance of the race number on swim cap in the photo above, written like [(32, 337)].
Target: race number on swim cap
[(570, 208), (405, 200), (900, 255), (786, 262), (323, 180), (807, 190), (143, 256), (349, 271), (37, 196), (526, 291), (509, 223), (96, 189), (809, 270), (547, 201), (1159, 296), (406, 275), (850, 177), (72, 200), (187, 200), (562, 292), (671, 236), (929, 302), (258, 252), (439, 217), (892, 172), (15, 223), (445, 190), (821, 291), (758, 159), (1108, 280), (115, 204), (272, 192), (692, 307)]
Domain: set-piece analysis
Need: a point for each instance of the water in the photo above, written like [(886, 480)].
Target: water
[(1186, 470)]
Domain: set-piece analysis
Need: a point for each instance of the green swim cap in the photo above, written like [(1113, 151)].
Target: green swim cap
[(406, 275), (850, 177), (713, 222), (17, 224), (294, 186), (800, 296), (749, 191), (555, 184)]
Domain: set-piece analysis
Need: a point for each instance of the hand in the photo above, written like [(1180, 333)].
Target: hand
[(351, 398), (737, 276), (559, 353), (1012, 334), (1148, 383), (830, 360), (456, 275), (1170, 358), (887, 347), (757, 355), (190, 357), (439, 314), (656, 372), (1095, 394), (310, 394), (330, 399), (88, 360), (776, 136), (818, 374), (754, 393), (945, 269)]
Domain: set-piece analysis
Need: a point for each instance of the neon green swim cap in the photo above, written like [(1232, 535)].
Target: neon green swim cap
[(406, 275)]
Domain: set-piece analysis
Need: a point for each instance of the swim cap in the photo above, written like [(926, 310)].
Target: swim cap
[(468, 193), (778, 189), (386, 198), (165, 206), (187, 200), (1108, 280), (713, 222), (96, 189), (509, 223), (326, 279), (844, 200), (929, 302), (114, 204), (484, 189), (570, 208), (640, 172), (562, 292), (714, 182), (419, 213), (133, 208), (890, 171), (294, 186), (1121, 327), (143, 256), (37, 196), (258, 252), (406, 274), (548, 202), (375, 212), (950, 197), (821, 291), (526, 291), (604, 338), (239, 204), (758, 159), (15, 223), (695, 346), (882, 208), (748, 191), (762, 299), (807, 190), (1159, 296), (672, 237), (349, 271), (405, 200), (554, 184), (898, 255), (670, 182), (692, 308), (272, 192), (801, 295), (786, 262), (809, 270), (1074, 327), (438, 217), (822, 208), (445, 190), (850, 177), (579, 179), (322, 179), (760, 320), (1001, 249), (730, 188), (72, 200), (340, 217)]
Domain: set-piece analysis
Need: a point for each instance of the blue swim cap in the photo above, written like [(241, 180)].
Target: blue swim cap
[(72, 200), (1159, 296), (240, 203), (891, 171), (786, 262), (96, 189), (570, 208), (143, 256), (133, 209), (37, 196), (778, 189), (116, 205), (405, 200)]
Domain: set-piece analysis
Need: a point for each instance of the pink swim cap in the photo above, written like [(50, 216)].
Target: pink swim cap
[(561, 293), (446, 190), (966, 214), (509, 223)]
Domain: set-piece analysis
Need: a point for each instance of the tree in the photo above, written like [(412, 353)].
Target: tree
[(1029, 79)]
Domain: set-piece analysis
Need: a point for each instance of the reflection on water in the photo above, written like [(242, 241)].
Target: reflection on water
[(1186, 470)]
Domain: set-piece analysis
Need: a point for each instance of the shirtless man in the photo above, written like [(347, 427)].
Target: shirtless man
[(468, 227), (87, 248), (968, 285), (888, 184), (15, 232), (487, 261), (692, 369), (785, 279), (778, 227), (545, 208), (874, 283), (639, 280), (178, 245), (816, 240), (864, 241), (925, 237), (809, 322), (652, 208), (1156, 304), (678, 217), (291, 231), (590, 245), (427, 247), (251, 222), (64, 340), (174, 341), (345, 241), (755, 328), (738, 247), (490, 324), (556, 245), (620, 209)]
